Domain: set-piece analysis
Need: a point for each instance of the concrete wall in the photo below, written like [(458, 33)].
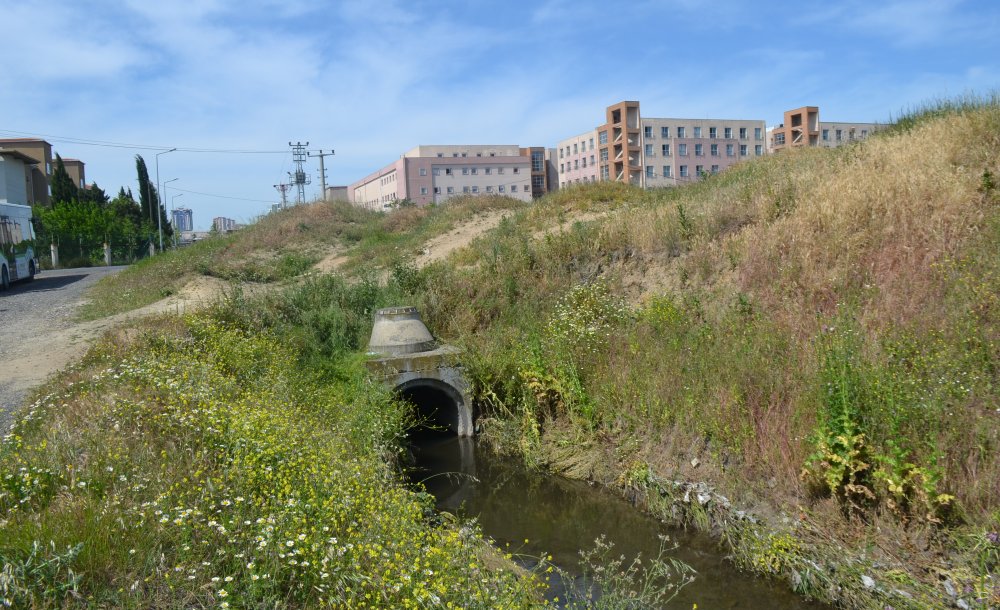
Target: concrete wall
[(75, 169), (13, 188)]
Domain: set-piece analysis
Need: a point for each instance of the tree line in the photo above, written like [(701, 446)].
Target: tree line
[(81, 220)]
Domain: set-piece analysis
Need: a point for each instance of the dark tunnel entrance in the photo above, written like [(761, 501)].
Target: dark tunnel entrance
[(436, 407)]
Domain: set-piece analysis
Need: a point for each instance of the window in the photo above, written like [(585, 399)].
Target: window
[(592, 160), (454, 154), (440, 154), (538, 182), (465, 189), (447, 171), (591, 143), (423, 190), (864, 133), (665, 149), (826, 135), (479, 154), (684, 171), (436, 171), (699, 170), (465, 171), (474, 171), (513, 188), (713, 132), (602, 137), (757, 135), (560, 153), (779, 139), (604, 172), (604, 154), (743, 150), (649, 150), (666, 171), (680, 132), (475, 189), (499, 170), (758, 149), (575, 149), (465, 154), (682, 150), (697, 132), (489, 189), (727, 132), (584, 162), (488, 170), (517, 170), (451, 190), (664, 132), (423, 171), (537, 162), (437, 190), (715, 150), (648, 132), (501, 188), (743, 133), (729, 150), (699, 150), (576, 164), (715, 169), (649, 171), (839, 135), (561, 170)]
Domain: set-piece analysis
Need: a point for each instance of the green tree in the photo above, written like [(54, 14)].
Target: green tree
[(63, 189), (149, 199), (93, 193)]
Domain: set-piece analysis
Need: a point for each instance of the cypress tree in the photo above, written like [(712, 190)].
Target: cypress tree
[(63, 189)]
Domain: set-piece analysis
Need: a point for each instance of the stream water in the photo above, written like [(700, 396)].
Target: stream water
[(560, 517)]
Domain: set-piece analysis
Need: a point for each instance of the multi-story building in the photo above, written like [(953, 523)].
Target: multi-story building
[(223, 224), (433, 174), (74, 167), (802, 127), (183, 219), (14, 169), (652, 152), (39, 174)]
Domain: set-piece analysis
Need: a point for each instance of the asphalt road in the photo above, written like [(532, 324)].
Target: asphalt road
[(38, 335)]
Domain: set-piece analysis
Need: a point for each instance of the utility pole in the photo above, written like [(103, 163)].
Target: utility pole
[(283, 188), (300, 178), (322, 170)]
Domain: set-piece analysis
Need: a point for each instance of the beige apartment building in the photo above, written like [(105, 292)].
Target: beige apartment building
[(655, 152), (75, 169), (432, 174), (38, 175), (802, 127)]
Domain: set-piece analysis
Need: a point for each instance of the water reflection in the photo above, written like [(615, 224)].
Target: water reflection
[(559, 517)]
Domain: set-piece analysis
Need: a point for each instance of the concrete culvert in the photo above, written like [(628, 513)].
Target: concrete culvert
[(439, 408)]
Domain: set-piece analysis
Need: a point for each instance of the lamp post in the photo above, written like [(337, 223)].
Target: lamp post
[(159, 217)]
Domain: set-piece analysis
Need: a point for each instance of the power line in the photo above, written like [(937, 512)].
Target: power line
[(108, 144), (225, 196)]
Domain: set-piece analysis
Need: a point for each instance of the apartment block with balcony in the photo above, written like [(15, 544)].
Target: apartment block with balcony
[(39, 174), (428, 175), (802, 127), (183, 219), (655, 152)]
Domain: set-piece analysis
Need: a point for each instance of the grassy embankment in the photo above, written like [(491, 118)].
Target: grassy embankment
[(816, 334)]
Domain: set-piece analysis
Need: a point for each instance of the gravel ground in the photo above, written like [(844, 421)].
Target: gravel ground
[(38, 335)]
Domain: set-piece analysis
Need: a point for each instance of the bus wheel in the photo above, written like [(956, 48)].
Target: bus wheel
[(4, 278), (31, 271)]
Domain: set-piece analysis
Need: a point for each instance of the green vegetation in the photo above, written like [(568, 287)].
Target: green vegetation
[(816, 334)]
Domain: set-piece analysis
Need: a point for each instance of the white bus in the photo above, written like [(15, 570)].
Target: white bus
[(17, 244)]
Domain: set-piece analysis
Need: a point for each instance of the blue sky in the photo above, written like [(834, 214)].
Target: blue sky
[(372, 79)]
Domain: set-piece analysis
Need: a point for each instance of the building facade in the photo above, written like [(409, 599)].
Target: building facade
[(654, 152), (39, 174), (802, 127), (223, 224), (75, 169), (183, 219), (432, 174), (14, 168)]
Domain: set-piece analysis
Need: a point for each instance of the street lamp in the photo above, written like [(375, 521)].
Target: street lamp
[(159, 217)]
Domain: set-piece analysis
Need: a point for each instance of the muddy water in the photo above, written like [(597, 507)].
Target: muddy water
[(560, 517)]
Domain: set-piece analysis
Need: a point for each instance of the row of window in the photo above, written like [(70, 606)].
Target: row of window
[(699, 150), (478, 154), (475, 189), (466, 171), (840, 134), (579, 147), (583, 180), (713, 132), (682, 171)]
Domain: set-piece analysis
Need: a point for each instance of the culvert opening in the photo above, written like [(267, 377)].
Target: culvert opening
[(436, 407)]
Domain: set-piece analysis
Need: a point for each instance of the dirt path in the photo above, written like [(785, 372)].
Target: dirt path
[(459, 237)]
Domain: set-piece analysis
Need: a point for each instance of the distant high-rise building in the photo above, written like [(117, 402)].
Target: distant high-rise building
[(223, 224), (183, 219)]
